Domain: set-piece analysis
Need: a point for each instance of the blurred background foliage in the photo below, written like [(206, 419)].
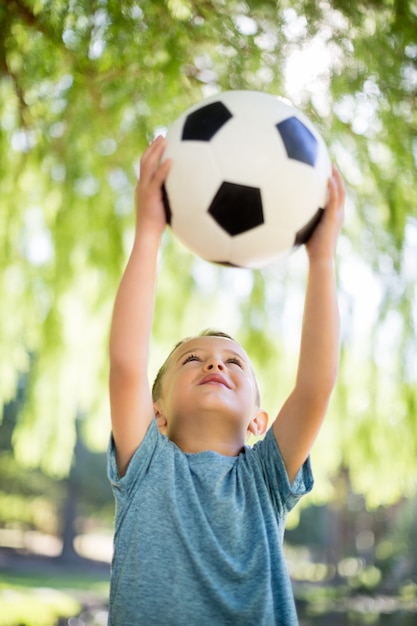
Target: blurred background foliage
[(84, 86)]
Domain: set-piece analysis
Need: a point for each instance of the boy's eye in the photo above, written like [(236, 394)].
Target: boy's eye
[(191, 357), (235, 361)]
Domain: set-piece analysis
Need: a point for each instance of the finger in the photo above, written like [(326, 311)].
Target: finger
[(336, 189), (151, 157), (161, 173), (153, 151), (337, 177), (332, 192)]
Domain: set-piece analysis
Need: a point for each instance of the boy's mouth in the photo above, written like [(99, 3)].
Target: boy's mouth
[(216, 379)]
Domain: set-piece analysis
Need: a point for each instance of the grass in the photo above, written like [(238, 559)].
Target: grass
[(39, 599)]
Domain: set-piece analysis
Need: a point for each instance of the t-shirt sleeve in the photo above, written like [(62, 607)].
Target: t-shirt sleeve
[(284, 495), (138, 465)]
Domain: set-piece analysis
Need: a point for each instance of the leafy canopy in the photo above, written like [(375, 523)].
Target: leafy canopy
[(84, 86)]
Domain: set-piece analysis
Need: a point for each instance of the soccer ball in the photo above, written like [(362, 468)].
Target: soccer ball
[(248, 181)]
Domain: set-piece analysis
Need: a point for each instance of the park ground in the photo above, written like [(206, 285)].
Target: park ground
[(40, 588)]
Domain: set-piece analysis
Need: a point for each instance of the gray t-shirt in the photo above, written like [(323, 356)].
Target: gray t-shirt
[(198, 537)]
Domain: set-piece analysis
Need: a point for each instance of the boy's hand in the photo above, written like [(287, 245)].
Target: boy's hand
[(150, 213), (322, 243)]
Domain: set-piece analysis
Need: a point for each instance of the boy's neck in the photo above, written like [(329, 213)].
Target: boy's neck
[(226, 446)]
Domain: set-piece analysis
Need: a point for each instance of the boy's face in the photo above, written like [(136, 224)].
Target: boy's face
[(208, 380)]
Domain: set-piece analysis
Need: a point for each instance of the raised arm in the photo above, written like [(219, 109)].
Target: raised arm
[(130, 396), (299, 420)]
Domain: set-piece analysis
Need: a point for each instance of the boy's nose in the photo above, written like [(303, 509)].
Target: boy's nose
[(214, 363)]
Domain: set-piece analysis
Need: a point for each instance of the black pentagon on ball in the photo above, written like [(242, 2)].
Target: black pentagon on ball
[(237, 208), (203, 124), (300, 143), (167, 207)]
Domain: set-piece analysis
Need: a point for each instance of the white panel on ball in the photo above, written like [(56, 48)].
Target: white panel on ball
[(245, 251), (193, 179), (204, 229)]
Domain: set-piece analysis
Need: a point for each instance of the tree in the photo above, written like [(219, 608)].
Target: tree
[(37, 501), (84, 86)]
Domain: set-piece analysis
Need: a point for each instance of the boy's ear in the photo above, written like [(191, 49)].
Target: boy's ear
[(259, 423), (161, 420)]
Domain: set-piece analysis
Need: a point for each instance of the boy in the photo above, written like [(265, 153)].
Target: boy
[(200, 516)]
